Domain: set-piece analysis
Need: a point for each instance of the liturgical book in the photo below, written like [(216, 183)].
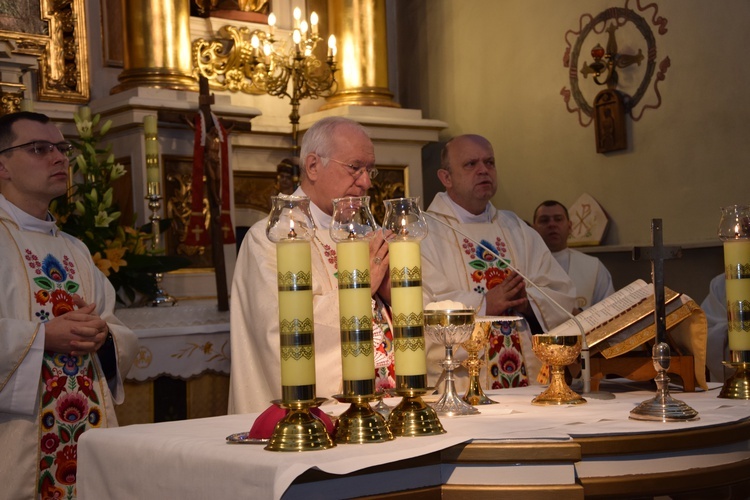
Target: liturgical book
[(624, 322)]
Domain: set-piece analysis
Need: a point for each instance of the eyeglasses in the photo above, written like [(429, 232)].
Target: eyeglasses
[(43, 148), (354, 170)]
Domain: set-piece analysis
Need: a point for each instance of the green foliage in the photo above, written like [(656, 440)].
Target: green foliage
[(90, 213)]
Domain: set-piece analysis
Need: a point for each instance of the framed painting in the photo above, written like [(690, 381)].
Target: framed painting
[(54, 32)]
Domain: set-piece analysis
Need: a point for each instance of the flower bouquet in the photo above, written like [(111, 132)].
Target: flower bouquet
[(89, 212)]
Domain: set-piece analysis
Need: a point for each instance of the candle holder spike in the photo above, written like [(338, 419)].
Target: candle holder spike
[(161, 298)]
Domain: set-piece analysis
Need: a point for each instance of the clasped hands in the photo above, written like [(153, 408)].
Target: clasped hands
[(76, 332), (380, 266), (509, 294)]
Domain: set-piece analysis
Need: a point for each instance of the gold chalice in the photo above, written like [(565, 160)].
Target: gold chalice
[(558, 351), (450, 327), (480, 338)]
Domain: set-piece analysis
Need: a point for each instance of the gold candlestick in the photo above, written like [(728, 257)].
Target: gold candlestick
[(291, 227), (407, 226), (351, 228)]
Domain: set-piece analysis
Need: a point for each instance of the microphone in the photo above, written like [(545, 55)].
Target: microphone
[(585, 355)]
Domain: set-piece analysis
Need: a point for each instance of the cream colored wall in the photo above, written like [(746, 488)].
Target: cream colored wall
[(494, 67)]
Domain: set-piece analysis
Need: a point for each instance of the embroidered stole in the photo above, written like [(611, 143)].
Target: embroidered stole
[(70, 386), (505, 360)]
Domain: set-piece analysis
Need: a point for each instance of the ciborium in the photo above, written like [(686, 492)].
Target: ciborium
[(450, 328), (558, 351)]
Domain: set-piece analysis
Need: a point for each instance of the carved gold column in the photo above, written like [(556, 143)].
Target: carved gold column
[(157, 45), (359, 26)]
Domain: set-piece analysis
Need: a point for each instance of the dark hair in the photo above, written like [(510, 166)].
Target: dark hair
[(550, 203), (6, 125)]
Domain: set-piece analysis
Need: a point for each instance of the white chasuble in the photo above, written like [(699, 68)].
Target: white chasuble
[(70, 395), (459, 267)]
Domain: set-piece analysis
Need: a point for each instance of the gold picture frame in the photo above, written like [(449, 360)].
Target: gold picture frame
[(61, 48)]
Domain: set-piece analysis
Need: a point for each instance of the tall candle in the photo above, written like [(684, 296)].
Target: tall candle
[(737, 267), (294, 272), (355, 311), (152, 149), (408, 315)]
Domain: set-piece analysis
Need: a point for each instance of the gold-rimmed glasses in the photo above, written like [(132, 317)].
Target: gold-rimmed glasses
[(355, 171)]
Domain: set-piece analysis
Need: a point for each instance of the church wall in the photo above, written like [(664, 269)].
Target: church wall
[(495, 67)]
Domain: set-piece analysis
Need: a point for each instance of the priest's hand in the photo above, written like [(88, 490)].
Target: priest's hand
[(379, 267), (76, 332), (510, 294)]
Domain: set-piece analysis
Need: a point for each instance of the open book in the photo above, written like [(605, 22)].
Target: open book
[(617, 318)]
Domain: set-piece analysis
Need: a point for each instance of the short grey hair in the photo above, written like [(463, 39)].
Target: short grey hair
[(319, 138)]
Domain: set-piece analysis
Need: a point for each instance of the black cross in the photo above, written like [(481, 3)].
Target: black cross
[(658, 253)]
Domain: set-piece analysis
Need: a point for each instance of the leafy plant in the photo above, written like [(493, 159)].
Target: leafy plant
[(90, 213)]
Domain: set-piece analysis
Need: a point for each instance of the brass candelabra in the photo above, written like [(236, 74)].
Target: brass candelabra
[(255, 61)]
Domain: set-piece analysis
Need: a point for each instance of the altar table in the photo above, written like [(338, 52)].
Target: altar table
[(513, 449), (182, 363)]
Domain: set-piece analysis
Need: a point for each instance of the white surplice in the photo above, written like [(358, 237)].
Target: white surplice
[(22, 238), (592, 280), (446, 275)]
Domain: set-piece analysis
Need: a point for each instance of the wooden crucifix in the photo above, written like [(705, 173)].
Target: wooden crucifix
[(658, 253), (212, 171)]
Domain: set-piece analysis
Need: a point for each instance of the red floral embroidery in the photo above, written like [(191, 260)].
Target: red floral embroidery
[(494, 277), (67, 463)]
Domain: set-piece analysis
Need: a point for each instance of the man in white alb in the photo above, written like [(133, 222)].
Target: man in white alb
[(592, 280), (465, 230), (337, 159)]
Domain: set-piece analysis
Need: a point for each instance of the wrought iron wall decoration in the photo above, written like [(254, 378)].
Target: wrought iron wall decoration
[(626, 69), (61, 48)]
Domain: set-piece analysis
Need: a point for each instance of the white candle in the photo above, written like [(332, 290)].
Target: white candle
[(736, 254), (355, 311), (152, 149), (407, 307), (293, 263)]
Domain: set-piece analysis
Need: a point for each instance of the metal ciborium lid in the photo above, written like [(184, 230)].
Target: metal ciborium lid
[(450, 327)]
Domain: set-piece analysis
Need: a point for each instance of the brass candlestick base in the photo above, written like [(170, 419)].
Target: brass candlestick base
[(738, 385), (361, 423), (413, 417), (299, 430), (557, 351), (663, 407)]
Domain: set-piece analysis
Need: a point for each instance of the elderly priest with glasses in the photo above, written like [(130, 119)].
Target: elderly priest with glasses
[(337, 160), (63, 354)]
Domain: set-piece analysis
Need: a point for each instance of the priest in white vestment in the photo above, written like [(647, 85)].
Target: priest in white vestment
[(337, 160), (592, 280), (63, 353), (717, 346), (465, 230)]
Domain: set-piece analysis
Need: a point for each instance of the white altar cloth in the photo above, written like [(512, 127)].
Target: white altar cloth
[(180, 341), (191, 459)]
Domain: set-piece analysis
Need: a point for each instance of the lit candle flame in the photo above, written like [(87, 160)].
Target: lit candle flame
[(292, 234)]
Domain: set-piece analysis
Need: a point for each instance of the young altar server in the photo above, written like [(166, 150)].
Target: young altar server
[(63, 353)]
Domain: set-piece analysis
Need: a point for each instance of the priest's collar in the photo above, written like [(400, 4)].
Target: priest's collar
[(27, 221), (321, 218), (466, 217)]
